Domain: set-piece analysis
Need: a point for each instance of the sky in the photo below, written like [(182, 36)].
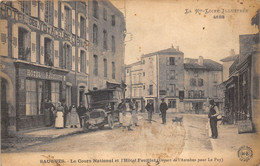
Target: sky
[(159, 24)]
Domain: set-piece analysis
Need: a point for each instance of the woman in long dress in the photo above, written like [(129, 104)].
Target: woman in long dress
[(59, 116), (73, 116), (134, 112)]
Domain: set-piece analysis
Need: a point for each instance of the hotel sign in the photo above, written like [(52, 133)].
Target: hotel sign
[(44, 75)]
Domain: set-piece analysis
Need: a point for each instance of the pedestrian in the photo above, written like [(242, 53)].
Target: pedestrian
[(127, 117), (52, 112), (213, 113), (121, 108), (73, 116), (47, 113), (59, 116), (134, 112), (81, 110), (66, 111), (150, 109), (163, 109)]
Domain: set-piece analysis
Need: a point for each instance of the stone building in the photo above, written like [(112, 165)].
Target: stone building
[(106, 44), (201, 80), (43, 55)]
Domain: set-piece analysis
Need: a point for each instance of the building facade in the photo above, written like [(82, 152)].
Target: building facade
[(44, 55), (106, 44), (201, 81)]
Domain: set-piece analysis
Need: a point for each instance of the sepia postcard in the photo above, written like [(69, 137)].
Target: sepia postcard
[(129, 82)]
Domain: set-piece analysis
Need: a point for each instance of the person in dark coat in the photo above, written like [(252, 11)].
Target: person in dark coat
[(163, 109), (81, 110), (213, 113), (150, 109), (66, 111)]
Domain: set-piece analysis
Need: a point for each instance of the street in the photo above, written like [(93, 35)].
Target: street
[(167, 140)]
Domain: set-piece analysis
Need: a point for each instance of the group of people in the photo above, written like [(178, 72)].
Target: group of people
[(61, 116)]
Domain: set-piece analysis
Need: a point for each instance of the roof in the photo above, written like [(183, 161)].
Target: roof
[(168, 51), (230, 58), (133, 64), (208, 64)]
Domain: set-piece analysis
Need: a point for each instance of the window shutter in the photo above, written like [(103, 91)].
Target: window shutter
[(15, 41), (87, 63), (4, 41), (62, 16), (42, 10), (73, 58), (34, 8), (16, 5), (73, 21), (55, 14), (79, 60), (86, 28), (78, 25), (42, 50), (167, 61), (33, 46), (56, 53)]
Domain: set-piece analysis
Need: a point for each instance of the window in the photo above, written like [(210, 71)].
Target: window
[(214, 91), (105, 40), (150, 89), (113, 20), (105, 14), (68, 19), (82, 27), (67, 57), (113, 44), (171, 103), (25, 7), (113, 70), (144, 87), (171, 74), (143, 61), (24, 44), (139, 78), (215, 77), (95, 65), (105, 67), (55, 92), (143, 73), (140, 91), (171, 61), (82, 61), (201, 94), (95, 9), (193, 82), (191, 94), (127, 70), (48, 15), (171, 88), (200, 82), (48, 58), (95, 34)]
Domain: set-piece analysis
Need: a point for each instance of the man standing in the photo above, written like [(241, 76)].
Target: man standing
[(150, 109), (121, 109), (213, 113), (81, 110), (163, 109), (66, 111)]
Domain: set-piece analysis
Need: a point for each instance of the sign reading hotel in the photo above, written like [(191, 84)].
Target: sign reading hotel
[(43, 75)]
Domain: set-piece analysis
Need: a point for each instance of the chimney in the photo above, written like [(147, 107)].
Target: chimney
[(200, 60), (232, 52), (177, 48)]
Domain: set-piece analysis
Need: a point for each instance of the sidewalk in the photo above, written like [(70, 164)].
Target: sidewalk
[(230, 140), (34, 137)]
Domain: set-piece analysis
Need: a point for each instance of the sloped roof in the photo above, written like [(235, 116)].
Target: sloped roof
[(208, 64), (168, 51), (230, 58), (133, 64)]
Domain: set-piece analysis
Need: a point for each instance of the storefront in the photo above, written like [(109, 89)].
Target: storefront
[(34, 84)]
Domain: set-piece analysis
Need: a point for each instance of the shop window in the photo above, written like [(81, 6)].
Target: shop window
[(113, 20), (67, 57), (105, 67), (68, 19), (48, 15), (24, 45), (171, 103), (113, 70), (55, 92), (82, 61), (95, 9), (25, 7), (105, 14), (48, 58), (150, 89), (113, 44), (82, 27), (105, 40), (34, 97), (95, 34), (95, 65), (200, 82)]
